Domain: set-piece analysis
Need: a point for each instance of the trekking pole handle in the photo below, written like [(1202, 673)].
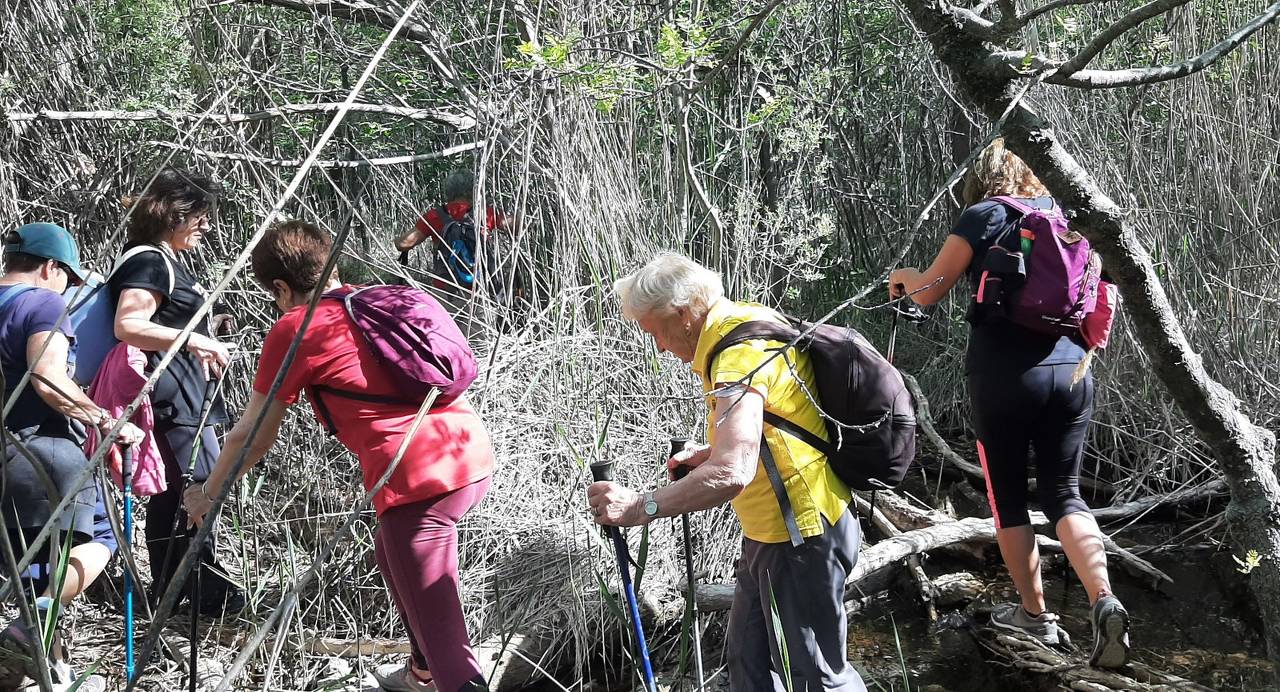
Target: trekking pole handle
[(602, 471), (677, 446)]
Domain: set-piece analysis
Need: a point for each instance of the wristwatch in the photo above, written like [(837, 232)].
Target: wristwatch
[(650, 506)]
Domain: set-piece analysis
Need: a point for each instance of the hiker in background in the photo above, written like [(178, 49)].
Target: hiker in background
[(443, 474), (1021, 394), (458, 246), (40, 260), (155, 297), (681, 304)]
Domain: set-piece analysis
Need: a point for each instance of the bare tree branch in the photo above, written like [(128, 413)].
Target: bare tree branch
[(456, 121), (328, 163), (355, 10), (1121, 26), (973, 24), (737, 46), (1019, 64), (1053, 6)]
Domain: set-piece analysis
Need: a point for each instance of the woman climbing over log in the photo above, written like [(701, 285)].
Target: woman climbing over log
[(1021, 364)]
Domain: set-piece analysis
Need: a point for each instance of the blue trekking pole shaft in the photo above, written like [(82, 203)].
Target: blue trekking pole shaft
[(604, 472), (126, 478)]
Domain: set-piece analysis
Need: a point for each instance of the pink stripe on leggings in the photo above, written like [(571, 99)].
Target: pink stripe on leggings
[(991, 496), (417, 551)]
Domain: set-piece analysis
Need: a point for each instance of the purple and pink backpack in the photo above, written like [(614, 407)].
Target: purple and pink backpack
[(412, 335), (1050, 284)]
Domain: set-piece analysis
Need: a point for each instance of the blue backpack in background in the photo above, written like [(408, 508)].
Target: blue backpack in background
[(93, 317)]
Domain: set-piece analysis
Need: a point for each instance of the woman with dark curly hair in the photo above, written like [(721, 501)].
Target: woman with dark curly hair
[(156, 296)]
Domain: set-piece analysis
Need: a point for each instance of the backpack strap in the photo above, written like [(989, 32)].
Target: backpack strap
[(780, 491), (138, 250), (326, 417), (772, 331), (748, 331), (1015, 204), (14, 291), (797, 431)]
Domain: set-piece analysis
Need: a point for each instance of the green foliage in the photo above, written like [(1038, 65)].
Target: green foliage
[(605, 81), (1252, 560), (780, 639), (150, 38), (686, 42)]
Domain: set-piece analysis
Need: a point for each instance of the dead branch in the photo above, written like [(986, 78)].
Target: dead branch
[(1022, 65), (1117, 28), (454, 120), (328, 163), (1073, 673), (1031, 15), (926, 592)]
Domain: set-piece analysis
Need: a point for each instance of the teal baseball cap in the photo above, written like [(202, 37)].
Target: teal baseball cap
[(50, 241)]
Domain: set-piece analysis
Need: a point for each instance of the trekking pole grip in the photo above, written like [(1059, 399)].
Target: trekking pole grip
[(677, 446), (602, 471)]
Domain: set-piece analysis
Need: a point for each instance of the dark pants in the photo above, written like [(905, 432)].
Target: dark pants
[(1035, 408), (417, 550), (807, 585), (164, 511), (40, 574)]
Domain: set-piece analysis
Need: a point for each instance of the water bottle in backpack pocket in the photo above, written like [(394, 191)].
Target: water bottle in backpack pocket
[(1049, 284)]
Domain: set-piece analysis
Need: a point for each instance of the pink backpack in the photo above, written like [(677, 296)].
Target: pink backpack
[(411, 335)]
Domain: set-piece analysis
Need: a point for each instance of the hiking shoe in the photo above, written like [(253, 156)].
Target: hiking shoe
[(1043, 627), (400, 678), (1110, 633)]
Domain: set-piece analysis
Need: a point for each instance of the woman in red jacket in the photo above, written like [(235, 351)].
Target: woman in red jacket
[(443, 474)]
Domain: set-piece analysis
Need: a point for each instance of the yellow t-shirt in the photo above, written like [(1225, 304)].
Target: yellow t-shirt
[(814, 488)]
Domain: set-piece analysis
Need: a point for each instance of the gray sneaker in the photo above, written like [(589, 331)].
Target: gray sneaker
[(1110, 633), (1043, 627)]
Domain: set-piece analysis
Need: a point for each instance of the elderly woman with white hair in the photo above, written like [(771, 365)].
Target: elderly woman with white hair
[(681, 304)]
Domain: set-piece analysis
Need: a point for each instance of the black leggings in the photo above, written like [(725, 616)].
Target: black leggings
[(164, 510), (1036, 407)]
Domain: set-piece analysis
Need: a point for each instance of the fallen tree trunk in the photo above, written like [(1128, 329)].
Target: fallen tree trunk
[(874, 563)]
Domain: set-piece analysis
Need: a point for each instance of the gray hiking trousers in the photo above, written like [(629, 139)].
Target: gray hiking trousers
[(807, 583)]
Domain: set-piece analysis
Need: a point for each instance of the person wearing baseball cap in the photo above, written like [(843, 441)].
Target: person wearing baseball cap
[(48, 241), (40, 261)]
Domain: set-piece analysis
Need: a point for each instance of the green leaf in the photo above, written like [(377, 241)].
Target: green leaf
[(780, 638)]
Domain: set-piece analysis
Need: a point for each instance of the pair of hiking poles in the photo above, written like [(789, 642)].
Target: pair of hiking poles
[(603, 471)]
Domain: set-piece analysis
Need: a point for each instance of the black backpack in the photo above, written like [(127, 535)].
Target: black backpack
[(869, 412)]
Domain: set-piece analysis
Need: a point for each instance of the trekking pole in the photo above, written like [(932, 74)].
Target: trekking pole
[(603, 471), (126, 482), (908, 311), (193, 654), (677, 446)]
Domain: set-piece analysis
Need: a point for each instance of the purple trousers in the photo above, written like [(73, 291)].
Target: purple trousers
[(417, 551)]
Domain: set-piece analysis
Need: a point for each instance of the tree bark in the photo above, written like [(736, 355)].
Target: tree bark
[(1245, 452)]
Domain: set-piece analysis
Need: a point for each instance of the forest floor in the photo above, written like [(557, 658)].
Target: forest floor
[(1202, 627)]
